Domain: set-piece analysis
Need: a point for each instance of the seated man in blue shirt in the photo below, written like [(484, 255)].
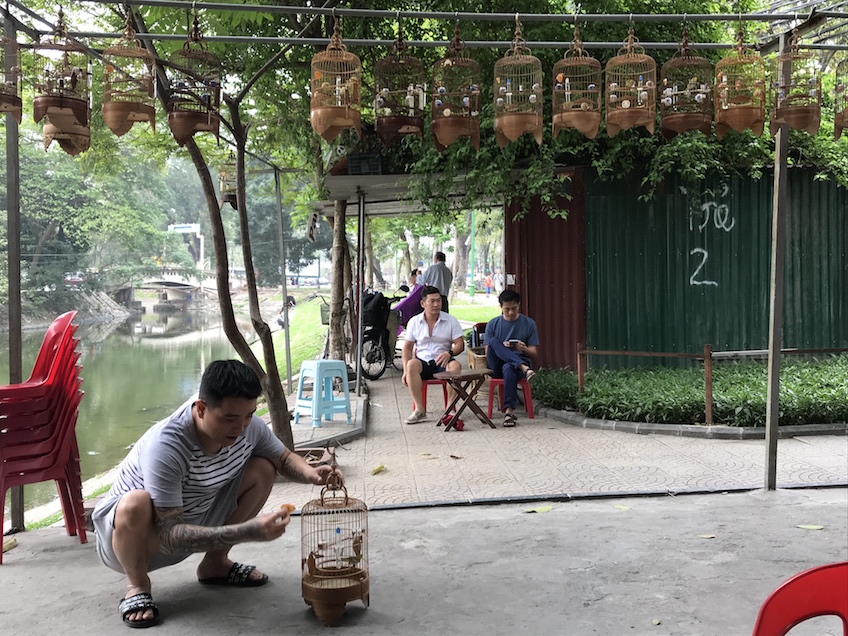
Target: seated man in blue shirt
[(511, 341)]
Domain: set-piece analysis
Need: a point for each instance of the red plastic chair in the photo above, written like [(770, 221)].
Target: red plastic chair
[(425, 384), (820, 591), (497, 383), (55, 333)]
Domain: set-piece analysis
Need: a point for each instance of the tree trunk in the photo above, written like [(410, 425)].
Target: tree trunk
[(407, 259), (340, 282), (416, 250), (461, 263)]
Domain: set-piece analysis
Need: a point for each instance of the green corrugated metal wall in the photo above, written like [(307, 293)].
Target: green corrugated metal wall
[(661, 279)]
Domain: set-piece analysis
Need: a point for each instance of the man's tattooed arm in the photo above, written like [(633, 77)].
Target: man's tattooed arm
[(296, 470), (177, 536)]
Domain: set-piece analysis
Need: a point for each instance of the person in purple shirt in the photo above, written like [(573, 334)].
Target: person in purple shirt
[(511, 342)]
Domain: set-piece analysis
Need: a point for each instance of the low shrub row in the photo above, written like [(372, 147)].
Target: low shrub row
[(811, 392)]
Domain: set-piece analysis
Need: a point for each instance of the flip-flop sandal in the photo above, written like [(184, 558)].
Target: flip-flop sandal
[(509, 420), (139, 603), (529, 375), (238, 576)]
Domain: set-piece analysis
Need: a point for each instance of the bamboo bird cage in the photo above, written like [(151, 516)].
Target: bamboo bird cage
[(128, 83), (631, 88), (840, 106), (195, 88), (685, 92), (577, 91), (740, 98), (336, 90), (61, 81), (795, 90), (518, 93), (10, 89), (227, 182), (455, 102), (334, 551), (400, 94)]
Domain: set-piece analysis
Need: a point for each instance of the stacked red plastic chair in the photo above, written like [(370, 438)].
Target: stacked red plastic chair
[(38, 425)]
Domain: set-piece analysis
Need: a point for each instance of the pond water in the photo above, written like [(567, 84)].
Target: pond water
[(134, 374)]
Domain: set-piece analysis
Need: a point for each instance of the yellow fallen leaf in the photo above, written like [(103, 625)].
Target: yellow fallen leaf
[(707, 536), (656, 621), (9, 543), (622, 507), (805, 526), (540, 509), (379, 469)]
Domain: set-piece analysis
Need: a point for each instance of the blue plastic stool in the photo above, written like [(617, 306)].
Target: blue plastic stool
[(322, 402)]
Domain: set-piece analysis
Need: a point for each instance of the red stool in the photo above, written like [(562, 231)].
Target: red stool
[(497, 383), (425, 384)]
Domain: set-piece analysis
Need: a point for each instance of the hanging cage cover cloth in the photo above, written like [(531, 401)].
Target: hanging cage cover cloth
[(577, 81), (336, 86)]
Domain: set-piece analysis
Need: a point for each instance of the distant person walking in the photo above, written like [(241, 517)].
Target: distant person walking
[(438, 275)]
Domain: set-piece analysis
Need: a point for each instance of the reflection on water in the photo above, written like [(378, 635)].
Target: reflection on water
[(134, 374)]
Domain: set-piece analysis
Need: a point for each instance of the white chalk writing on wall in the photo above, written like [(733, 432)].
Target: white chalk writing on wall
[(722, 219)]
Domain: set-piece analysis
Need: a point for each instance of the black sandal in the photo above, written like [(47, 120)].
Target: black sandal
[(510, 420), (139, 603)]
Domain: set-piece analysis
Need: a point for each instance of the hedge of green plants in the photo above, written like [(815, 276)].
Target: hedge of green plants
[(811, 392)]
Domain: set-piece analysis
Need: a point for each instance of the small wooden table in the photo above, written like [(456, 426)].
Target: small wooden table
[(466, 383)]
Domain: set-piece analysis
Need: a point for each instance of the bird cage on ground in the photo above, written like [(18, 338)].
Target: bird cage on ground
[(795, 90), (10, 89), (336, 86), (840, 105), (227, 182), (685, 92), (195, 88), (577, 91), (455, 103), (62, 92), (518, 93), (128, 83), (334, 551), (631, 88), (740, 98), (400, 94)]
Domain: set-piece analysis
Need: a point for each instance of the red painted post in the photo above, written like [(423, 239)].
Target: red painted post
[(708, 383)]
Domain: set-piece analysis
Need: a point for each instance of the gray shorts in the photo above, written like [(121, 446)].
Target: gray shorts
[(222, 507)]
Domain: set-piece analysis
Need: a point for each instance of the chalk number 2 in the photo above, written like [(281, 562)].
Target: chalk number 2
[(693, 278)]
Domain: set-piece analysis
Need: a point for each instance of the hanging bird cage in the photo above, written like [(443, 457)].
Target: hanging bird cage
[(740, 98), (195, 88), (336, 86), (840, 105), (685, 92), (795, 95), (62, 91), (10, 90), (334, 549), (455, 103), (128, 83), (518, 93), (631, 88), (400, 94), (227, 182), (577, 91)]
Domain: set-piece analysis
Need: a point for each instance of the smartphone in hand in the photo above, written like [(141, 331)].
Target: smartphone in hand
[(513, 343)]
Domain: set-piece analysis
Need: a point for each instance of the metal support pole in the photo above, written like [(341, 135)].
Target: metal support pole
[(13, 227), (778, 223), (282, 244), (360, 280)]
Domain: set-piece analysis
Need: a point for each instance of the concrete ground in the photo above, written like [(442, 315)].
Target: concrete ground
[(647, 534)]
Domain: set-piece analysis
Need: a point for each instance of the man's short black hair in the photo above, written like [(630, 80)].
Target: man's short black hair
[(440, 256), (429, 289), (509, 296), (228, 378), (414, 272)]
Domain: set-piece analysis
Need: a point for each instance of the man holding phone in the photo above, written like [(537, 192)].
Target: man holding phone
[(511, 342)]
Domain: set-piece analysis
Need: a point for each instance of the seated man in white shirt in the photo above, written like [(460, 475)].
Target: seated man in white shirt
[(438, 338)]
